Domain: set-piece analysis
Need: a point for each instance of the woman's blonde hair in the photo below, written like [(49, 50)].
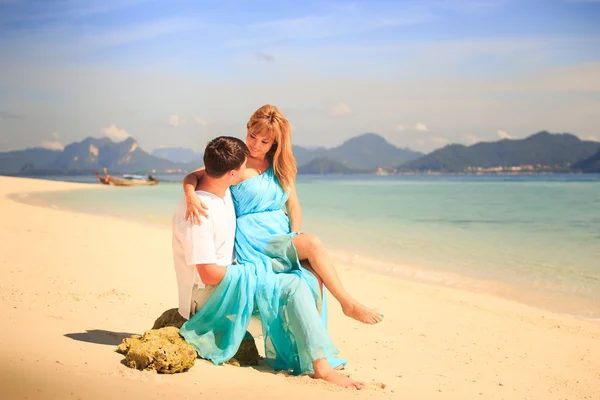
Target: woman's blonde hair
[(270, 122)]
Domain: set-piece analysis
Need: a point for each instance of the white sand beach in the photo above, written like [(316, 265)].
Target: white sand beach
[(73, 285)]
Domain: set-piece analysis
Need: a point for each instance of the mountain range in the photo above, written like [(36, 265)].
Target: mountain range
[(26, 160), (324, 165), (361, 154), (591, 164), (543, 149), (365, 152), (85, 156)]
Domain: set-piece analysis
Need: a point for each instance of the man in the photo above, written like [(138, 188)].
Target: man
[(203, 255), (202, 252)]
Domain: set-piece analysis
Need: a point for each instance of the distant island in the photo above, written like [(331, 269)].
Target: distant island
[(81, 158), (369, 153), (540, 152), (591, 164)]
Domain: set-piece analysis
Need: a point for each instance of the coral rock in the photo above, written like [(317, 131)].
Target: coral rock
[(162, 350), (247, 354), (169, 318)]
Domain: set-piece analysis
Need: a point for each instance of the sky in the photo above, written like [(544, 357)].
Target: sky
[(422, 74)]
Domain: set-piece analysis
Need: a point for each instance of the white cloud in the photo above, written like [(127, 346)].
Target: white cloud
[(399, 127), (175, 120), (504, 135), (339, 109), (52, 145), (421, 127), (471, 139), (115, 134), (439, 141), (200, 121), (592, 138)]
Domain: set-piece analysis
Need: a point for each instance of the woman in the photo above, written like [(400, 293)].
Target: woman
[(295, 335), (263, 230)]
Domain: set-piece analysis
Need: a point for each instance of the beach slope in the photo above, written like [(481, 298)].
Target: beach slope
[(73, 285)]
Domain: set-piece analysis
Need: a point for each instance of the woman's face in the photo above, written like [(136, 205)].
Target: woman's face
[(259, 145)]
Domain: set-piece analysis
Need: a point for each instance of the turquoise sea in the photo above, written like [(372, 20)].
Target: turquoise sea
[(534, 238)]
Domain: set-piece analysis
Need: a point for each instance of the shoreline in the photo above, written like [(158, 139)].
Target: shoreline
[(384, 172), (563, 305), (440, 278), (73, 284)]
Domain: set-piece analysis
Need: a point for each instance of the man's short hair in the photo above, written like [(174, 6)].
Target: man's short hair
[(223, 154)]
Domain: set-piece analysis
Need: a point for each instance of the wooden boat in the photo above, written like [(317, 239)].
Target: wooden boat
[(125, 180)]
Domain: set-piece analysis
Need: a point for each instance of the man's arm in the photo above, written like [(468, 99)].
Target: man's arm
[(211, 274), (199, 246)]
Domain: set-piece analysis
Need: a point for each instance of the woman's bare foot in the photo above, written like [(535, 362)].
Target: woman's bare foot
[(362, 314), (340, 379)]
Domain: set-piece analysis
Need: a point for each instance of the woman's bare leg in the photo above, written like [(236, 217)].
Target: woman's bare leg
[(310, 269), (307, 266), (310, 247), (302, 322)]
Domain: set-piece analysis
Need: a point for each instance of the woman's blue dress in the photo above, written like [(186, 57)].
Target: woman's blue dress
[(268, 280)]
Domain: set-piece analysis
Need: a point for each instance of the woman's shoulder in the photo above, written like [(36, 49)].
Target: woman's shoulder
[(251, 173)]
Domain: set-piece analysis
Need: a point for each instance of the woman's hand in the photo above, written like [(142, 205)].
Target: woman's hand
[(195, 208)]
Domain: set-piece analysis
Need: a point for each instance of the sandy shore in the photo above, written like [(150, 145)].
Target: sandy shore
[(72, 285)]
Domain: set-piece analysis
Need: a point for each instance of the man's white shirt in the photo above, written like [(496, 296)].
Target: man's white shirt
[(211, 242)]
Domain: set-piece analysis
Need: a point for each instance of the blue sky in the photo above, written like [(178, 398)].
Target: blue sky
[(177, 73)]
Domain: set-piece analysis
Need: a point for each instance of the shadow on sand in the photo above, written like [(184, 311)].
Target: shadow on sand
[(100, 336)]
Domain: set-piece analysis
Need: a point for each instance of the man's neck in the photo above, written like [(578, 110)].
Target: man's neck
[(218, 186)]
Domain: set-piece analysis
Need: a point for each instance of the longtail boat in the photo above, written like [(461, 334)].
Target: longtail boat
[(125, 180)]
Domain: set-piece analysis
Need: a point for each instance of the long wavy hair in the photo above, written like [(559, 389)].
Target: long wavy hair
[(270, 122)]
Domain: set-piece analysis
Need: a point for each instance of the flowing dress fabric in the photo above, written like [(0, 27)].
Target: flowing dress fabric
[(269, 280)]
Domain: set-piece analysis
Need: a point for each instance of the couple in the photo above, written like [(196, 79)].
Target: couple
[(236, 201)]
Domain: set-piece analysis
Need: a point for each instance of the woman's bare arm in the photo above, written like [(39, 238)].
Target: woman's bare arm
[(294, 210), (195, 206)]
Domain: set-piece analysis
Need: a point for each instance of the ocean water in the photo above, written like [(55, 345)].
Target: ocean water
[(534, 238)]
